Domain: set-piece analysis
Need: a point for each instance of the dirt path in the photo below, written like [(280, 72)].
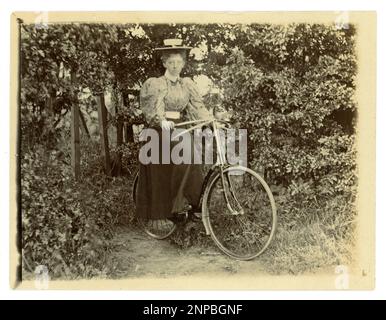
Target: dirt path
[(138, 255)]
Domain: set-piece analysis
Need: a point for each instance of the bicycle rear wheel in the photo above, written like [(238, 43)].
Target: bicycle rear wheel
[(152, 228), (240, 212)]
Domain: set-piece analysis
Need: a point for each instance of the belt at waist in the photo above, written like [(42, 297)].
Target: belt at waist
[(172, 114)]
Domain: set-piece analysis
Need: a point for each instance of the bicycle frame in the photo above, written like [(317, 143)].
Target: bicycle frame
[(201, 123)]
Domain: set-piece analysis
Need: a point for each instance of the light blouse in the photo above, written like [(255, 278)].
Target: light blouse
[(161, 94)]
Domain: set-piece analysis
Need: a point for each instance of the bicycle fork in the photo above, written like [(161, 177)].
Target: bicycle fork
[(233, 211), (222, 161)]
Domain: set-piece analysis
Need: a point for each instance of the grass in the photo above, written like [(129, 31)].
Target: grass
[(311, 236), (306, 248)]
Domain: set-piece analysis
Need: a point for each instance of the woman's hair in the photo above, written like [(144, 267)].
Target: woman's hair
[(166, 54)]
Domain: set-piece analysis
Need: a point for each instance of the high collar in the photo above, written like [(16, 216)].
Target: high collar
[(171, 77)]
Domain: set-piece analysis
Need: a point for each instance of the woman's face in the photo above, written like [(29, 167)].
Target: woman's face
[(174, 64)]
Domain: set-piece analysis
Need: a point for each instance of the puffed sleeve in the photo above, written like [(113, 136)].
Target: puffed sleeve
[(195, 109), (151, 101)]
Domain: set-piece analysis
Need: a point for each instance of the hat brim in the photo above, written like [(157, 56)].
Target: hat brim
[(173, 49)]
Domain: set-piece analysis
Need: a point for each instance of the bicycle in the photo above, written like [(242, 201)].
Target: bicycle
[(237, 206)]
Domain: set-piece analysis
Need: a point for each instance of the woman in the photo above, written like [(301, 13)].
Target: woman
[(166, 189)]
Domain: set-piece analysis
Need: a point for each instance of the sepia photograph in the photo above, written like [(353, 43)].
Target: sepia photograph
[(193, 150)]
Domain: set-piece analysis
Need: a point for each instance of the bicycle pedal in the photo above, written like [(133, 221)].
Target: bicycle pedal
[(195, 217), (182, 213), (178, 218)]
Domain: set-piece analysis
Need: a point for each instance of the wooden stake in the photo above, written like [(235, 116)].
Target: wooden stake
[(84, 124), (75, 136), (75, 141), (119, 126), (102, 118)]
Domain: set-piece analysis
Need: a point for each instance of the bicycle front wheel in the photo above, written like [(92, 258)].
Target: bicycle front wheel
[(240, 212)]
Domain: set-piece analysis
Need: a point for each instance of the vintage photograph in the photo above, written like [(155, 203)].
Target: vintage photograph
[(156, 149)]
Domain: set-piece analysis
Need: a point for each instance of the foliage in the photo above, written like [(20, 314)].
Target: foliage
[(291, 86), (67, 224), (286, 85)]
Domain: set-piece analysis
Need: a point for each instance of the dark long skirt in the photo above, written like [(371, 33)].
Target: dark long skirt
[(164, 189)]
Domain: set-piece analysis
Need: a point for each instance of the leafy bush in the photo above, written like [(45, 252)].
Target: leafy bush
[(287, 91), (67, 224)]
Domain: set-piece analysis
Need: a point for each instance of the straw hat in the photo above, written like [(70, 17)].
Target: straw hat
[(173, 45)]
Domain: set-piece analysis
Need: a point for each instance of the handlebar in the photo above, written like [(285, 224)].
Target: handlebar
[(200, 123)]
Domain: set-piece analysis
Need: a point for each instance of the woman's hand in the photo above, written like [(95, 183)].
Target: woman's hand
[(167, 125)]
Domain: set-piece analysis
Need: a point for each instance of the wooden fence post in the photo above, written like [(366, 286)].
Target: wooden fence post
[(75, 136), (84, 125), (102, 119), (130, 133), (119, 144)]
